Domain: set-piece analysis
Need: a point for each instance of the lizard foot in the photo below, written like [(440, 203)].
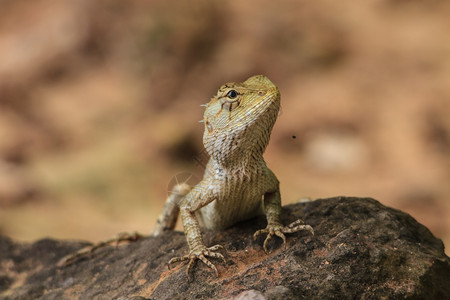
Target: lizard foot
[(279, 230), (201, 254), (69, 259)]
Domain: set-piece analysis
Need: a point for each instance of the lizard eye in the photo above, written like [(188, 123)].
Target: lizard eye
[(232, 94), (230, 101)]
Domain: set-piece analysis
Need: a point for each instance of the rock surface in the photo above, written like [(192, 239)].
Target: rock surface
[(361, 250)]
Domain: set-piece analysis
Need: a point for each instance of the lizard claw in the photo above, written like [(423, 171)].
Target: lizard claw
[(279, 230), (200, 254)]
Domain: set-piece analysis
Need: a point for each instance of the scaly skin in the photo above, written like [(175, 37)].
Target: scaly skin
[(237, 184)]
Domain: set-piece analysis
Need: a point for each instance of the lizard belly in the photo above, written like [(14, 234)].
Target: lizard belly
[(231, 209)]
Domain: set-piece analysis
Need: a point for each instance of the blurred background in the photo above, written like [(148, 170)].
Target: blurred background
[(99, 103)]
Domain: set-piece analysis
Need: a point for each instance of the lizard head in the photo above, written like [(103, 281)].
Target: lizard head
[(239, 119)]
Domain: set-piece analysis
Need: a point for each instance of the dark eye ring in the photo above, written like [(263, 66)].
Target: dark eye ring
[(232, 94)]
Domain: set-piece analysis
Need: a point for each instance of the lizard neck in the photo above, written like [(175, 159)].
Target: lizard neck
[(240, 170), (240, 149), (241, 145)]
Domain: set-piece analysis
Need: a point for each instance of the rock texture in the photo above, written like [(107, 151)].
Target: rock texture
[(361, 250)]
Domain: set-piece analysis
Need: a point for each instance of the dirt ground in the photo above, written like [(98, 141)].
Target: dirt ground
[(99, 103)]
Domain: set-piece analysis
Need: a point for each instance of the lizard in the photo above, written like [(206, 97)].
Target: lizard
[(237, 185)]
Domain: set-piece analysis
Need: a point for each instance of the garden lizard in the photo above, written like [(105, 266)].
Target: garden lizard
[(237, 184)]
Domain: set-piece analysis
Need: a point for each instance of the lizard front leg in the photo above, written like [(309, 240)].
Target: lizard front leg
[(197, 248), (272, 208)]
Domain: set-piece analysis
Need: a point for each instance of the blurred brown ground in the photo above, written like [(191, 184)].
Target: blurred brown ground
[(99, 103)]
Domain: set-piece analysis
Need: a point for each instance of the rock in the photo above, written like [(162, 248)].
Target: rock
[(361, 250)]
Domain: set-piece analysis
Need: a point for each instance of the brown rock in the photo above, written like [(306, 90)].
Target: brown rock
[(361, 250)]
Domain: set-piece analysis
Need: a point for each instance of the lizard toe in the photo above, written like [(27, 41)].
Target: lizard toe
[(296, 226), (208, 263), (177, 259), (215, 255), (200, 254), (280, 231)]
